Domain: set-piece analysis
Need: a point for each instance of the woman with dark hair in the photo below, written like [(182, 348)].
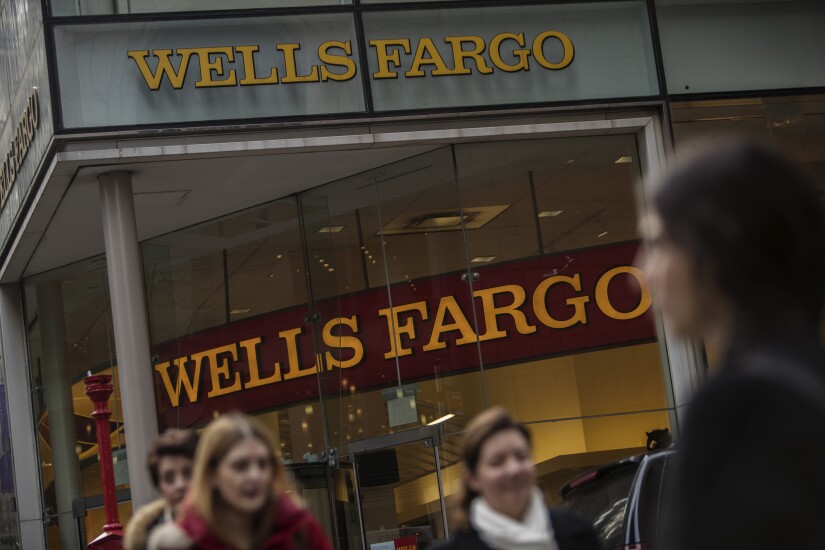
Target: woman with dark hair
[(500, 507), (239, 498), (170, 463), (737, 257)]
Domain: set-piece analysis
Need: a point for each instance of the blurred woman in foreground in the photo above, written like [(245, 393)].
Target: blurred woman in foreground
[(501, 508), (737, 257), (238, 499)]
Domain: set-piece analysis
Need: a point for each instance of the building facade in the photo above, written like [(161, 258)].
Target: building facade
[(361, 222)]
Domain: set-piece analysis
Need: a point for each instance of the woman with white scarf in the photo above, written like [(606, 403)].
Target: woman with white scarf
[(501, 508)]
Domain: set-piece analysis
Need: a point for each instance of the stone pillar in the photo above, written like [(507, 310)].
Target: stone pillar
[(131, 328), (57, 389), (23, 435)]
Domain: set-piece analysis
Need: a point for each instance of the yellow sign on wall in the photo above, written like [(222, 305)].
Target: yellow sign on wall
[(332, 61)]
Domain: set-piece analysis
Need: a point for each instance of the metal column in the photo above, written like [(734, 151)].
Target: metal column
[(130, 326)]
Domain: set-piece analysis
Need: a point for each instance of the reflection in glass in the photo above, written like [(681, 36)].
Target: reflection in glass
[(70, 334), (795, 124)]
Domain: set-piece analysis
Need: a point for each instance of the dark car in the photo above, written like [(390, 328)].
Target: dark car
[(623, 499)]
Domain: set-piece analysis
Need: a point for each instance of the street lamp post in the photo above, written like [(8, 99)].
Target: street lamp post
[(99, 388)]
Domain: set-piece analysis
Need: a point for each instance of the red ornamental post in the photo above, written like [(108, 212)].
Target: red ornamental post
[(99, 388)]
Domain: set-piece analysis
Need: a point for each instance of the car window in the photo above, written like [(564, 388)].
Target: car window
[(649, 494), (604, 502)]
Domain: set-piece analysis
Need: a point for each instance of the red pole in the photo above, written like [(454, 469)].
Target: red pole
[(99, 388)]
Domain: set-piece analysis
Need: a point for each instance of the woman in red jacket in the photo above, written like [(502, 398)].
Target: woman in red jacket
[(238, 498)]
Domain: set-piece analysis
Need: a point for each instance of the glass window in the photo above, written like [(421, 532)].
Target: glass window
[(795, 124), (70, 334), (126, 73), (536, 53), (741, 44), (438, 281), (231, 294), (122, 7)]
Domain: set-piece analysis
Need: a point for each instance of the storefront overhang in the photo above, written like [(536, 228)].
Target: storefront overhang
[(182, 181)]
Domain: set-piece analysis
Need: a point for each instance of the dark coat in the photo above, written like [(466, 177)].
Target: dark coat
[(572, 533), (751, 469)]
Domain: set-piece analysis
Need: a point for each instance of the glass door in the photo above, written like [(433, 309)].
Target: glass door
[(399, 489)]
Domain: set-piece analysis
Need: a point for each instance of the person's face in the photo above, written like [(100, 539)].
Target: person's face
[(244, 477), (505, 474), (671, 275), (174, 475)]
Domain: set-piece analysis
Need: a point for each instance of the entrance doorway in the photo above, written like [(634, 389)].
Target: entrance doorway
[(400, 494)]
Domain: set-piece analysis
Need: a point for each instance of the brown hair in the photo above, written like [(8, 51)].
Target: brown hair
[(170, 443), (217, 440), (479, 430)]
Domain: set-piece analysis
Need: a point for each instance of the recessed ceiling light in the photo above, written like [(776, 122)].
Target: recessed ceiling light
[(550, 213), (331, 229), (240, 310), (481, 259), (602, 234), (440, 420), (624, 160), (271, 275), (279, 256)]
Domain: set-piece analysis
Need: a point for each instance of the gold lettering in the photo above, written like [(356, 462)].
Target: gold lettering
[(491, 311), (153, 80), (460, 54), (460, 323), (603, 297), (251, 348), (249, 76), (211, 64), (219, 369), (291, 71), (495, 52), (338, 341), (191, 385), (330, 59), (538, 50), (540, 302), (385, 57), (427, 47), (294, 359), (396, 330), (34, 113)]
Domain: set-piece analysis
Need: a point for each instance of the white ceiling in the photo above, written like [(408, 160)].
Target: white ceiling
[(174, 194)]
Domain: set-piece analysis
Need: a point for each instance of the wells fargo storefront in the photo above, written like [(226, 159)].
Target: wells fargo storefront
[(363, 226)]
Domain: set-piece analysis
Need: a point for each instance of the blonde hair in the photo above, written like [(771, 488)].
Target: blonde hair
[(216, 441), (478, 431)]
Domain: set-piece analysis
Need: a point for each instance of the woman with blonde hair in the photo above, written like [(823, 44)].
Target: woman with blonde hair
[(500, 506), (238, 499)]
